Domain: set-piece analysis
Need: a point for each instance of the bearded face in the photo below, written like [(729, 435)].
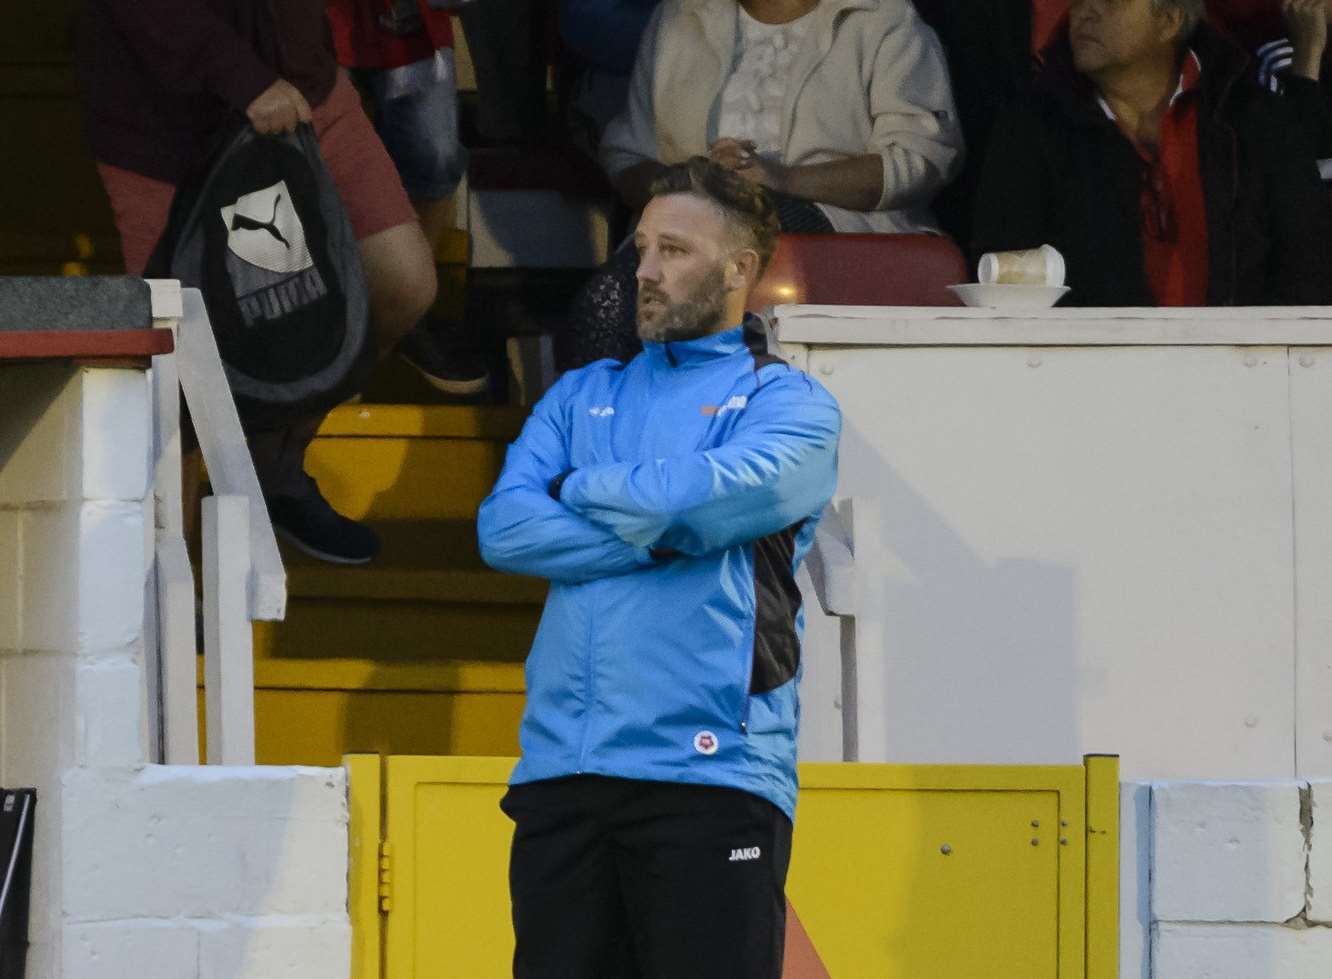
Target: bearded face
[(662, 319), (683, 250)]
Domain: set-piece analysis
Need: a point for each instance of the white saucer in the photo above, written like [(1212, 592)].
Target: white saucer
[(1001, 296)]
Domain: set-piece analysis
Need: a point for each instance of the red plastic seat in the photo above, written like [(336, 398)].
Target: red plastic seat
[(1047, 18), (862, 270)]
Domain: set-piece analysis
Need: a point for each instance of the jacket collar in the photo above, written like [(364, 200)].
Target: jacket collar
[(714, 346), (1222, 62)]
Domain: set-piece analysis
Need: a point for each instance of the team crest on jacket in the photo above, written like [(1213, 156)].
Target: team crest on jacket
[(705, 743)]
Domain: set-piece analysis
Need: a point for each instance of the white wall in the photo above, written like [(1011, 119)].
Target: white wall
[(1100, 532), (1105, 531), (140, 871)]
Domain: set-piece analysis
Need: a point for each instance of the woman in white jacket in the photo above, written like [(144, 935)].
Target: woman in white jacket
[(841, 108)]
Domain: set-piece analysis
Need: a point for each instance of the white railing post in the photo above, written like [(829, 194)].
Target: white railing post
[(174, 639), (228, 639)]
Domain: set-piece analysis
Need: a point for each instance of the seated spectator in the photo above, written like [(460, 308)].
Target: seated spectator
[(1162, 181), (1289, 40), (164, 81), (401, 53), (842, 108)]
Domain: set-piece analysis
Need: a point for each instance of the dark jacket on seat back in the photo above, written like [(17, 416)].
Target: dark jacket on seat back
[(1059, 171)]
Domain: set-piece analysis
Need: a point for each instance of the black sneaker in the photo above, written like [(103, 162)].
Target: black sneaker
[(449, 364), (312, 526)]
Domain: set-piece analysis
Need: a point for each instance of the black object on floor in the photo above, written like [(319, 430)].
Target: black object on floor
[(17, 809)]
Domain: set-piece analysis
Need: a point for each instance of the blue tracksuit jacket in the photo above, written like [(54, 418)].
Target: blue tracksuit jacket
[(689, 484)]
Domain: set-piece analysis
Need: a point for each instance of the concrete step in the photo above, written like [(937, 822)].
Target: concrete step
[(421, 651), (389, 463), (427, 598)]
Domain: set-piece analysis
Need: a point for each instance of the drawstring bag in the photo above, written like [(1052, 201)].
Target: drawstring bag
[(266, 239)]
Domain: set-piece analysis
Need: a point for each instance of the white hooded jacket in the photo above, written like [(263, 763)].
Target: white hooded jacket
[(870, 78)]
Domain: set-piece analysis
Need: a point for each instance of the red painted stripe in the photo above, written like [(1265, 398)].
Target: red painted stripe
[(83, 344)]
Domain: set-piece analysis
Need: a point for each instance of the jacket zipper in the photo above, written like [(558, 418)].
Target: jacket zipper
[(744, 688), (589, 693)]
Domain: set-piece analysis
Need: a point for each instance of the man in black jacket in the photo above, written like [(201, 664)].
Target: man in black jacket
[(1288, 39), (1161, 177)]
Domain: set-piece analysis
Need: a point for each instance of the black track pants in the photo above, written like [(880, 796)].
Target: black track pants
[(619, 879)]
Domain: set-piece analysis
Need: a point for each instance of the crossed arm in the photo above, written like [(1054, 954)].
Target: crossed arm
[(779, 467)]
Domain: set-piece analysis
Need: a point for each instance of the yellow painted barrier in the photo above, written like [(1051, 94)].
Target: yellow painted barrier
[(927, 872)]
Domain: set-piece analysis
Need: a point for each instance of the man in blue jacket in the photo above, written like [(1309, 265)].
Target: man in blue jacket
[(669, 501)]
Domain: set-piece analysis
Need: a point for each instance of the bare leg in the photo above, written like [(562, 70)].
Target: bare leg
[(400, 275), (436, 216)]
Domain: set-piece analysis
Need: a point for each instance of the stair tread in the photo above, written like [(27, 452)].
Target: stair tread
[(489, 422), (428, 560)]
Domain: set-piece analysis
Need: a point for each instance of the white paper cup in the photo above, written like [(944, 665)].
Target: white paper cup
[(1042, 266)]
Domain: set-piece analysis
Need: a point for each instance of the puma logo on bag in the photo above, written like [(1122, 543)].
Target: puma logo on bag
[(276, 244), (269, 261), (241, 222)]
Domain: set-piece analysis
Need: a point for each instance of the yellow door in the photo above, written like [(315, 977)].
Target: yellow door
[(927, 872)]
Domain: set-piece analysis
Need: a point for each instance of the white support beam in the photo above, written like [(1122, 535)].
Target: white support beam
[(178, 654), (174, 634), (228, 638), (225, 452)]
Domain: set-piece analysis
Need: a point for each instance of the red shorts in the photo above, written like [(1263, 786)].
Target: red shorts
[(360, 166)]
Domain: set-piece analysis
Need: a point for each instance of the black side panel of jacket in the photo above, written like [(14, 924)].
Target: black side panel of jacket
[(776, 603)]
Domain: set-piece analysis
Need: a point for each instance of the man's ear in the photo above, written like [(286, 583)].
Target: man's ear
[(743, 270), (1172, 25)]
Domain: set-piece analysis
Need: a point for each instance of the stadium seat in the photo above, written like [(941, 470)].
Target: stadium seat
[(862, 270)]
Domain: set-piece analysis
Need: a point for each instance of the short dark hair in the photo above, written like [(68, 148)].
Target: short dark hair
[(748, 209)]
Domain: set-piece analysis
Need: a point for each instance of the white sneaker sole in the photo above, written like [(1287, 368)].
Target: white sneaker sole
[(476, 385)]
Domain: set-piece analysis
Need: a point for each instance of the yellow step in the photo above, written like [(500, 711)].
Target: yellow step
[(411, 462), (427, 598), (316, 727), (420, 651)]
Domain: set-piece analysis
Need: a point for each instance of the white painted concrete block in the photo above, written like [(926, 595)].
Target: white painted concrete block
[(43, 961), (276, 948), (44, 898), (10, 581), (109, 712), (249, 841), (117, 433), (1227, 852), (49, 544), (39, 434), (37, 718), (1241, 952), (1320, 855), (111, 576), (131, 950)]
